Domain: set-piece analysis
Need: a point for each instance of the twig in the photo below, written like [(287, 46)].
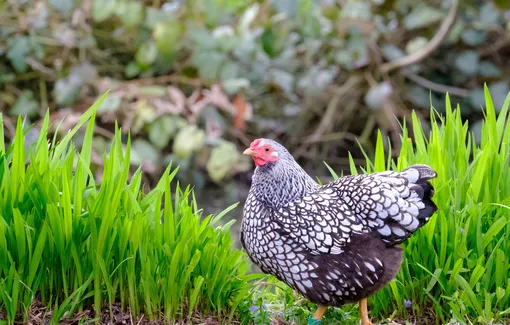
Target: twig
[(139, 321), (456, 91), (327, 118), (9, 126), (43, 93), (495, 47), (239, 135), (390, 114), (368, 128), (336, 136), (41, 68), (27, 76), (104, 132), (429, 47), (171, 79)]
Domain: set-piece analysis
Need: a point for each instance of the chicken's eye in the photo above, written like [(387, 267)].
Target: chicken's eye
[(267, 149)]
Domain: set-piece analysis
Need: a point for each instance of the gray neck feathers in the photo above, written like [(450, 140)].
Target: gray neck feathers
[(277, 184)]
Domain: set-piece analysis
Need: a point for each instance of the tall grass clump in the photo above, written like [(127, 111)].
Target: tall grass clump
[(73, 244), (458, 265)]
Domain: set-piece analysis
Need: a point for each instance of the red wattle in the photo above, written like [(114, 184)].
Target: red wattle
[(259, 161)]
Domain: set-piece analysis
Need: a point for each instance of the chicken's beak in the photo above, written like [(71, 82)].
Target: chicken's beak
[(249, 152)]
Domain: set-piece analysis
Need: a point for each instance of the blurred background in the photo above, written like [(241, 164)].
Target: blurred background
[(194, 82)]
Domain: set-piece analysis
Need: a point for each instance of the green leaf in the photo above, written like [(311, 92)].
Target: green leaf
[(289, 7), (163, 129), (208, 63), (166, 36), (142, 152), (19, 48), (154, 16), (316, 80), (103, 9), (416, 44), (331, 171), (2, 144), (283, 79), (146, 54), (422, 16), (189, 139), (223, 159), (67, 89), (130, 12), (477, 98), (471, 295), (356, 10), (132, 70), (489, 69), (25, 105), (62, 5), (468, 62), (489, 15), (111, 104), (456, 31), (496, 227), (392, 52), (474, 37), (235, 85), (499, 91), (419, 96), (478, 272), (202, 38)]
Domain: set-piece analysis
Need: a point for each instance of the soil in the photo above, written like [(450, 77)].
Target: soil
[(39, 315)]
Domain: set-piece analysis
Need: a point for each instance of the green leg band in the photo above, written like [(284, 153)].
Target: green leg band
[(313, 321)]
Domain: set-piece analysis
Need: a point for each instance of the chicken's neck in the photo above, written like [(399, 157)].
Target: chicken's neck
[(278, 184)]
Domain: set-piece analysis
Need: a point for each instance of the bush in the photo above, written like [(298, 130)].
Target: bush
[(460, 259), (69, 242)]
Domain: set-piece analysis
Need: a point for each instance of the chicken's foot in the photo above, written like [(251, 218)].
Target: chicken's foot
[(316, 318), (363, 312)]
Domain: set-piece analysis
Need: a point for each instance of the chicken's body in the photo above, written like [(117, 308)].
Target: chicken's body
[(336, 243)]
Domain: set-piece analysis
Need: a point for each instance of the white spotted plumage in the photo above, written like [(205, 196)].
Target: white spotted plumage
[(308, 235)]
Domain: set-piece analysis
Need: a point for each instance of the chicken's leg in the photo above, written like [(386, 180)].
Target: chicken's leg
[(363, 312), (316, 318)]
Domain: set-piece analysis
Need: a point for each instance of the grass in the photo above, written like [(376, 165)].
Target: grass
[(73, 244), (274, 299), (458, 264)]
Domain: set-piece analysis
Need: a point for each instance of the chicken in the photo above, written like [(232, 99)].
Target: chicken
[(336, 243)]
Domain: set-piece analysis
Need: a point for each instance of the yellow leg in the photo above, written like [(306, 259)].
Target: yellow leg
[(320, 312), (363, 312)]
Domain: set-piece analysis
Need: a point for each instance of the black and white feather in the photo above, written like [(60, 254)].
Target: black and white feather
[(394, 205), (335, 243)]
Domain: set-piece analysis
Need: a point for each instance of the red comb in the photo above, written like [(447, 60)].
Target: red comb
[(255, 143)]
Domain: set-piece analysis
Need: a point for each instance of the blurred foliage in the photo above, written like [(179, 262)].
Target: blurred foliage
[(195, 81)]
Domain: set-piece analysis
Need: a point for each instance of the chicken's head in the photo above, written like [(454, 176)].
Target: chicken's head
[(263, 151)]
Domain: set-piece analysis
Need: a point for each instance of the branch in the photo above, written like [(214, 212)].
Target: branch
[(328, 116), (461, 92), (429, 47), (495, 47)]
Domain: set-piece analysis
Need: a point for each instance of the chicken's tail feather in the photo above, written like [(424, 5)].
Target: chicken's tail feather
[(419, 177), (412, 192)]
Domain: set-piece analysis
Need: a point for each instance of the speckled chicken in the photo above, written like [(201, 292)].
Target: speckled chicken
[(336, 243)]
